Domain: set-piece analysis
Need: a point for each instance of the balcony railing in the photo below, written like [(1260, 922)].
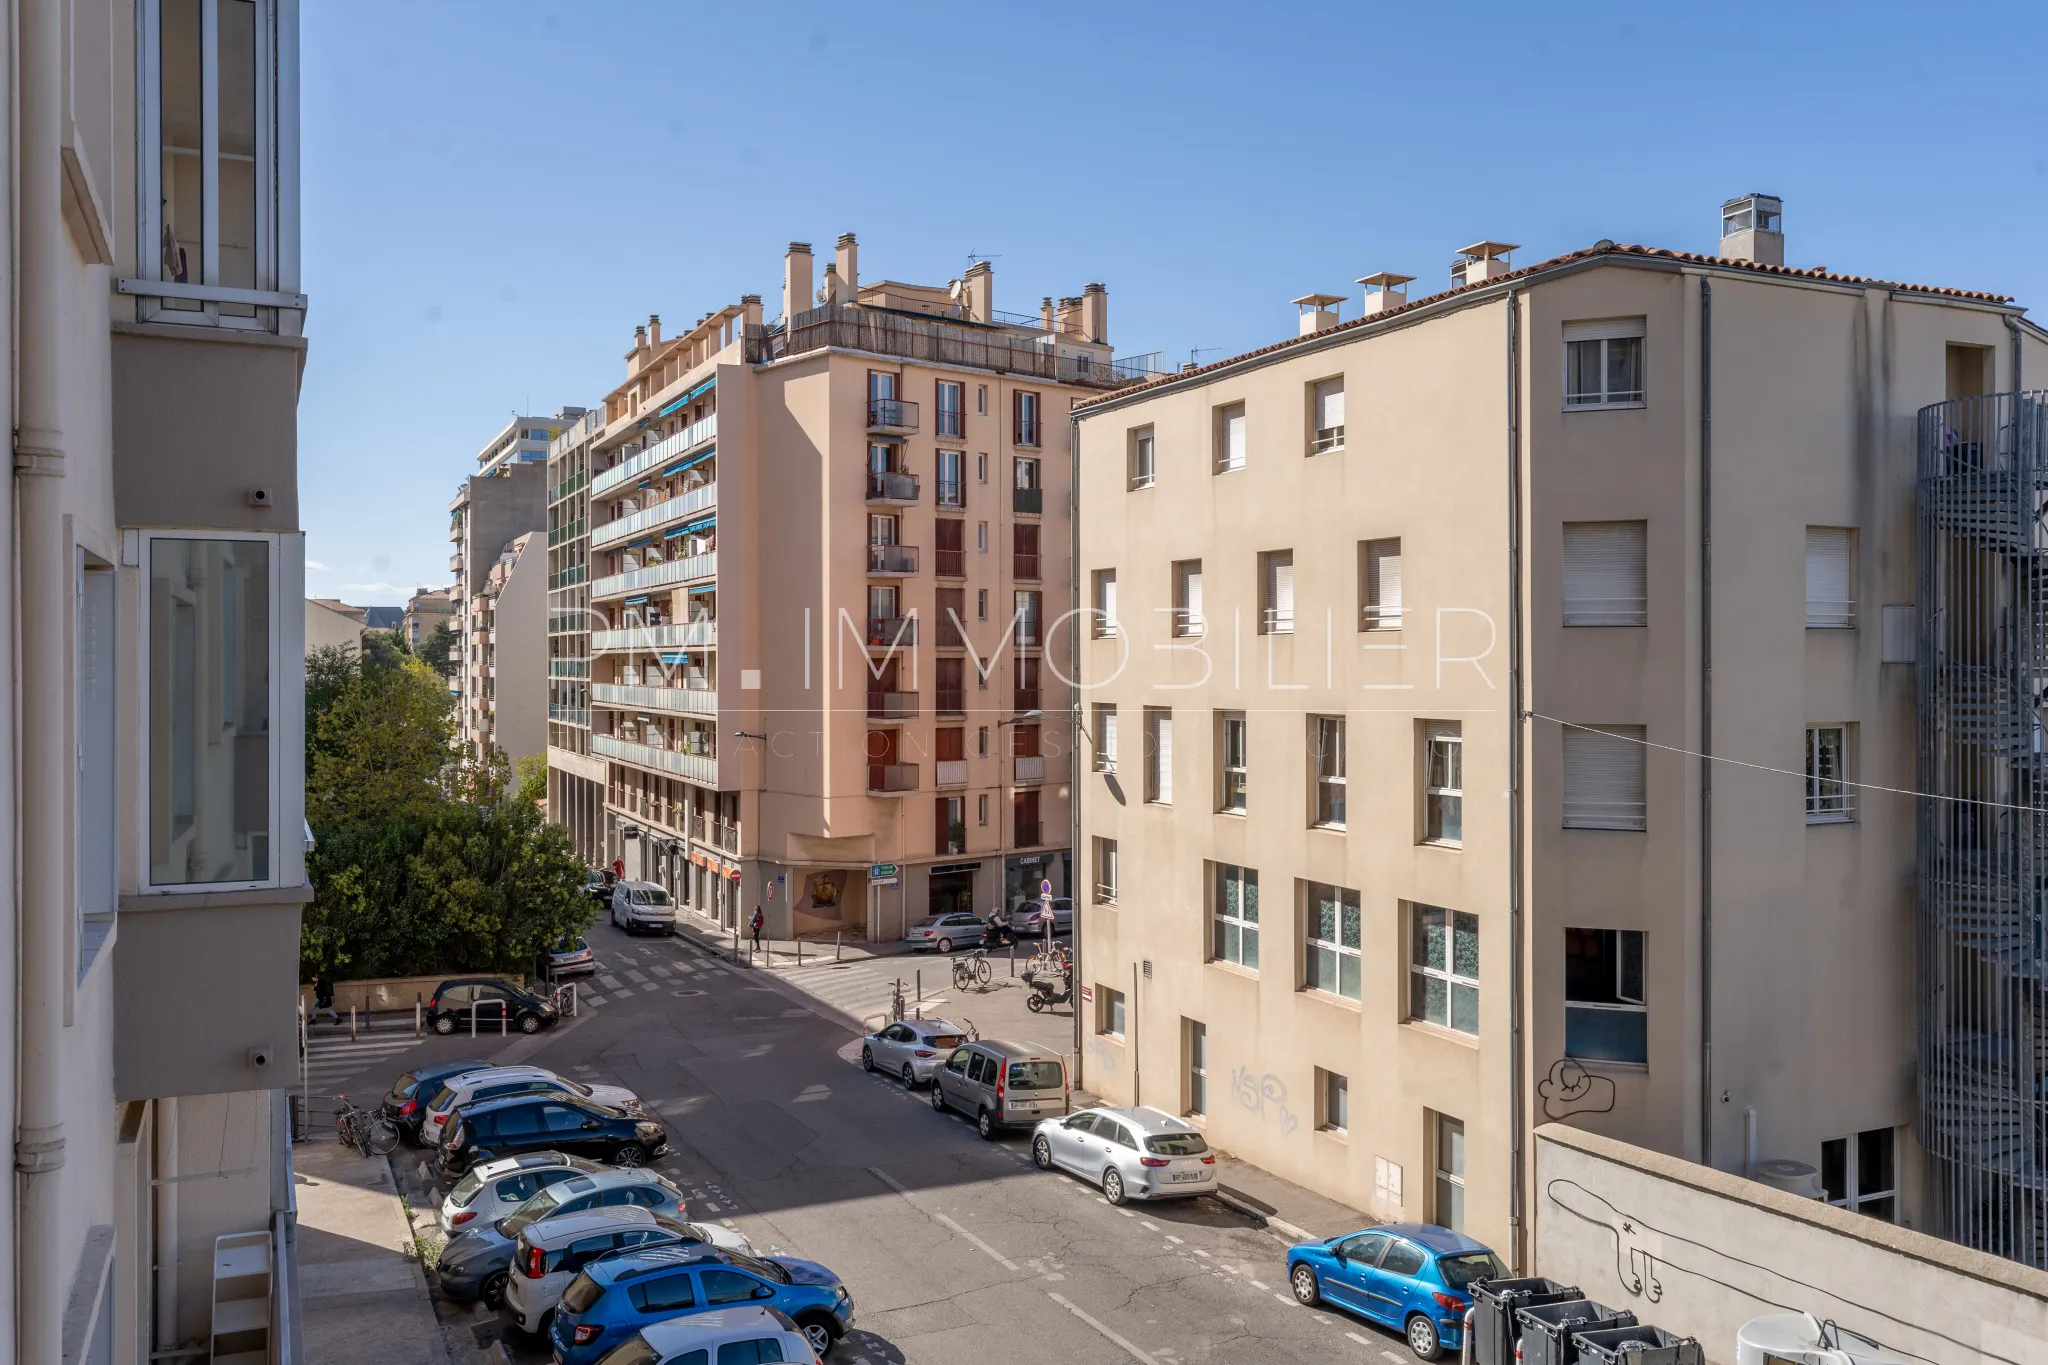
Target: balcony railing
[(1030, 768), (1027, 433), (567, 668), (656, 455), (949, 563), (567, 486), (892, 706), (1024, 565), (952, 424), (698, 768), (681, 634), (1008, 349), (689, 701), (892, 632), (561, 535), (569, 715), (891, 486), (650, 518), (952, 492), (1029, 502), (950, 772), (656, 575), (892, 777), (891, 414), (1026, 632), (892, 559)]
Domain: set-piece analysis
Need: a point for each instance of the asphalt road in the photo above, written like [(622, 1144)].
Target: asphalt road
[(954, 1248)]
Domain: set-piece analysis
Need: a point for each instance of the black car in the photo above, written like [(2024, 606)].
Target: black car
[(405, 1104), (556, 1122), (491, 998), (599, 889)]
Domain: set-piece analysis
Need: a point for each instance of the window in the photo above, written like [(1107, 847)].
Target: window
[(1330, 943), (1027, 616), (1403, 1258), (1140, 456), (952, 476), (1024, 818), (1276, 592), (1604, 573), (981, 537), (1187, 598), (1024, 551), (1109, 1011), (1859, 1173), (981, 403), (1326, 417), (952, 686), (93, 679), (1379, 584), (1326, 751), (949, 558), (670, 1293), (1229, 437), (1443, 968), (1230, 762), (1333, 1102), (1159, 755), (211, 682), (951, 609), (952, 406), (1603, 777), (1830, 605), (727, 1286), (1449, 1210), (981, 802), (1104, 596), (1827, 775), (1606, 1018), (1443, 816), (1234, 915), (1603, 364), (1195, 1046), (1026, 433), (1105, 737), (949, 825), (1105, 871), (981, 604)]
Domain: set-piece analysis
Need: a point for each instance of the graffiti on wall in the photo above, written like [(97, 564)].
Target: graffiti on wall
[(1266, 1096), (1571, 1089)]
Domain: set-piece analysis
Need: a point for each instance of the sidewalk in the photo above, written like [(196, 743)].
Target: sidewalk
[(362, 1298)]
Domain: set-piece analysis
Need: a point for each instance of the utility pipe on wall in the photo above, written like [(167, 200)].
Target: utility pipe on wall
[(1517, 1199), (1706, 1099), (166, 1182)]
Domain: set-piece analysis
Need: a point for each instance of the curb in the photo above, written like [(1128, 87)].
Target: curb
[(1254, 1208)]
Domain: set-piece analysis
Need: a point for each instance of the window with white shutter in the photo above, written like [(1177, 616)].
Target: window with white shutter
[(1141, 469), (1276, 574), (1230, 437), (1327, 405), (1159, 755), (1187, 597), (1605, 573), (1105, 604), (1603, 777), (1603, 364), (1379, 605), (1829, 603), (1105, 738)]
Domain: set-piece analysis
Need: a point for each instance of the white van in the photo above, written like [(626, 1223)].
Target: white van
[(642, 905)]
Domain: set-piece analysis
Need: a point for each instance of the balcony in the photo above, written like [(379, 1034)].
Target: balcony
[(1025, 636), (892, 706), (562, 535), (892, 777), (891, 486), (569, 715), (949, 563), (687, 701), (699, 768), (950, 772), (681, 635), (1027, 502), (680, 570), (896, 560), (658, 454), (1025, 698), (1030, 769), (952, 492), (1007, 349), (892, 415), (1024, 565), (663, 513), (455, 562), (952, 424), (891, 632)]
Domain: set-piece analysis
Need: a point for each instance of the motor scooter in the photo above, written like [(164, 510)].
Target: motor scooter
[(1048, 988)]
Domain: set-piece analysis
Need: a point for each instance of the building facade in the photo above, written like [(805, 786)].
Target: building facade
[(425, 610), (335, 624), (502, 501), (1407, 634), (576, 780), (503, 676), (153, 765)]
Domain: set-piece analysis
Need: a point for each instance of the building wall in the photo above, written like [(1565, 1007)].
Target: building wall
[(327, 627), (519, 650)]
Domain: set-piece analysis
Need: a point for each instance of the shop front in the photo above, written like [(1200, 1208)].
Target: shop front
[(1023, 876), (950, 887)]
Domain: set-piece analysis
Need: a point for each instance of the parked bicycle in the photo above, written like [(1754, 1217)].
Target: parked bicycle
[(896, 1005), (971, 971), (370, 1134)]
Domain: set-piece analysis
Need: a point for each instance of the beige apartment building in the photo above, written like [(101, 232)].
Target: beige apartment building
[(425, 610), (1366, 926), (824, 558)]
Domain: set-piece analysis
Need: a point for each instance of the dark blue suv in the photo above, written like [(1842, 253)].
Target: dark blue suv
[(612, 1298), (1413, 1277)]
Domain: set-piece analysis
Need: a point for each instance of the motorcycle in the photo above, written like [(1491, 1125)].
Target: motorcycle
[(997, 936), (1048, 988)]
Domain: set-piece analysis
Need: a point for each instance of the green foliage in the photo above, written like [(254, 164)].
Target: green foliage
[(434, 649), (532, 772), (380, 748)]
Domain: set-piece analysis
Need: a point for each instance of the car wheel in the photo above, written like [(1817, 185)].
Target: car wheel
[(817, 1330), (1113, 1185), (938, 1096), (867, 1058), (1306, 1291), (945, 945), (1041, 1154), (444, 1023), (909, 1077), (1422, 1338), (493, 1292), (529, 1023), (629, 1154), (985, 1124)]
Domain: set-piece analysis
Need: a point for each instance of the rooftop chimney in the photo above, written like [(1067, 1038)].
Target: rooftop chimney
[(979, 287), (654, 330), (1753, 229), (1070, 315), (1481, 261), (1045, 312), (849, 265), (1318, 312), (750, 307), (1095, 313), (1385, 291), (796, 280), (832, 291)]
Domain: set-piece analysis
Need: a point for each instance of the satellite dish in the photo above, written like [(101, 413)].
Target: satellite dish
[(953, 290)]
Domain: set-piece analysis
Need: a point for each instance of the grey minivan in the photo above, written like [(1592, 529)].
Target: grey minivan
[(1004, 1085)]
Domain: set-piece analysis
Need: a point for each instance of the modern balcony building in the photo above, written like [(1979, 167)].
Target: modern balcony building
[(152, 767), (1412, 633), (576, 779), (820, 555)]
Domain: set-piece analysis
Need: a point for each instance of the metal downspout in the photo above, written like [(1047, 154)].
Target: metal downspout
[(2012, 325), (1517, 1100), (1706, 721), (1079, 769), (39, 669)]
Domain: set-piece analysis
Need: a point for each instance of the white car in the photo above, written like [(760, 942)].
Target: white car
[(642, 905), (1140, 1153), (549, 1253), (911, 1049), (491, 1191), (475, 1087), (706, 1336)]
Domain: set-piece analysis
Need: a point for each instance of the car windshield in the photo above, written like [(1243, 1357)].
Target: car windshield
[(767, 1270), (581, 1294), (635, 1351), (1462, 1269), (931, 923), (405, 1085), (465, 1189), (651, 896), (442, 1098), (1176, 1144), (944, 1039), (1037, 1075), (572, 944)]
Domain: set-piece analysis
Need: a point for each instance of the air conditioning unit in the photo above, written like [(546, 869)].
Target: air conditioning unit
[(1778, 1337), (1793, 1177)]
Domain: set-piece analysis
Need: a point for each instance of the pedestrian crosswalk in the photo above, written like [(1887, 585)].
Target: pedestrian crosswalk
[(334, 1064)]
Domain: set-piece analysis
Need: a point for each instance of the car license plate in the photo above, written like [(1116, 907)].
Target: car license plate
[(1032, 1105), (1187, 1175)]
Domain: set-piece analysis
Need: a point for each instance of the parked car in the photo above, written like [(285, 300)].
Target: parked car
[(744, 1332), (642, 905), (492, 1083), (1028, 919), (547, 1254), (945, 931), (1139, 1153), (475, 1262), (493, 998), (568, 958), (539, 1123), (1413, 1277), (599, 889), (405, 1104), (496, 1188), (612, 1299), (1004, 1085), (911, 1049)]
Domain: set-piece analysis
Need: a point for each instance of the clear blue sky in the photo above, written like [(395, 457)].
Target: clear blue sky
[(495, 193)]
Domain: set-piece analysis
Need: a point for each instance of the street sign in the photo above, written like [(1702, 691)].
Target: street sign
[(1087, 992), (1045, 888), (885, 875)]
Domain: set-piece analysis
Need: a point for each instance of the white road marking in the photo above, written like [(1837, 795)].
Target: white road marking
[(1203, 1254), (1283, 1298), (1357, 1338), (610, 983), (622, 995), (1387, 1355), (632, 975), (1107, 1332), (1150, 1226), (1257, 1284), (1000, 1259), (1173, 1239)]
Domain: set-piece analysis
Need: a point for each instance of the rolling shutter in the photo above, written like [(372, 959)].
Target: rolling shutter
[(1605, 581), (1162, 757), (1329, 404), (1828, 600), (1383, 585), (1231, 455), (1280, 591), (1105, 737), (1603, 778)]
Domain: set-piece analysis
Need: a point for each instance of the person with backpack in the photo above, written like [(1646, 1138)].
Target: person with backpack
[(755, 924)]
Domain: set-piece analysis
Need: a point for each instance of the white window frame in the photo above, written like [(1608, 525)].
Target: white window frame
[(1601, 334), (1105, 737), (1105, 870), (1851, 1160), (1247, 879), (1158, 756), (1188, 619), (1375, 612), (1326, 399), (1830, 800), (1327, 764), (1230, 422), (1829, 613), (1111, 1016), (1437, 734), (1333, 1102), (1143, 469), (96, 730), (1623, 1003), (287, 707), (1446, 1180), (1336, 949), (1276, 592), (1419, 969), (1105, 625), (1195, 1049), (1232, 760)]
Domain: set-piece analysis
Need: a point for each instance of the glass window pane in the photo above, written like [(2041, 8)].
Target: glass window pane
[(1606, 1035), (1435, 1000), (1325, 926), (1465, 1008), (1624, 369), (238, 149), (1429, 936), (209, 711), (1347, 976), (1465, 945), (1834, 1168), (1350, 911), (182, 188), (1227, 940), (1874, 1161), (1251, 897), (1251, 947)]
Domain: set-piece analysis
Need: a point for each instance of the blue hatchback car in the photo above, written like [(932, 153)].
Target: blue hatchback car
[(612, 1298), (1413, 1277)]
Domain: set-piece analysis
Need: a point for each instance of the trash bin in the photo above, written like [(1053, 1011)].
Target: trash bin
[(1494, 1330), (1642, 1344), (1547, 1327)]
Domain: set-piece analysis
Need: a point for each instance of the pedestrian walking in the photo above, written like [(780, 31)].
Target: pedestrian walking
[(323, 1000), (755, 924), (618, 869)]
